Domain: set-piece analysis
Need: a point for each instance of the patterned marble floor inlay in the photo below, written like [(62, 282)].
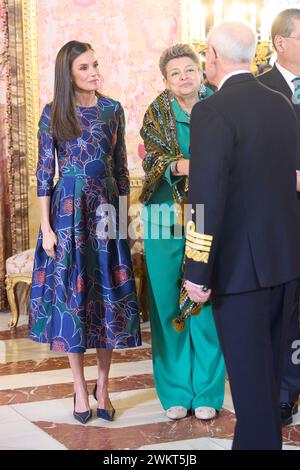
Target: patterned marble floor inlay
[(36, 403), (61, 362), (16, 333), (98, 438), (54, 391), (95, 438)]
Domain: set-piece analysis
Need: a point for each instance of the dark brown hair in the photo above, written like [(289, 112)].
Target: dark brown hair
[(64, 122)]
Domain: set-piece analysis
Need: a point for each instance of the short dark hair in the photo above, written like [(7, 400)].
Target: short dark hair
[(283, 24)]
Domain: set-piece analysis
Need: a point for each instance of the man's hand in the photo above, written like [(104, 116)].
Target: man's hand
[(298, 180), (197, 294)]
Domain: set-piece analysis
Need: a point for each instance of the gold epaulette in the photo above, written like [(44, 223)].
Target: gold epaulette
[(198, 245)]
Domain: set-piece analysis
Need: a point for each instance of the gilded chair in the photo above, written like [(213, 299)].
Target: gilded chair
[(18, 269)]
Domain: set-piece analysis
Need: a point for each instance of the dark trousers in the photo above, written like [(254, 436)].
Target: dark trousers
[(252, 329), (290, 385)]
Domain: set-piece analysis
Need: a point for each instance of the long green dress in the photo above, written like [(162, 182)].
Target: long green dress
[(188, 367)]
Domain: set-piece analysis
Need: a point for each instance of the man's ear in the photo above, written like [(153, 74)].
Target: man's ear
[(213, 54), (279, 43)]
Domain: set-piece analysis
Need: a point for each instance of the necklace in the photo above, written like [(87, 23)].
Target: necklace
[(88, 106)]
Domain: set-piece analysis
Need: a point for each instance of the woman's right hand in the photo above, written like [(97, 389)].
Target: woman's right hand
[(49, 242), (183, 166)]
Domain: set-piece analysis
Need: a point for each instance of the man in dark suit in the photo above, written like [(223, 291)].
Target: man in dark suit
[(244, 141), (285, 78)]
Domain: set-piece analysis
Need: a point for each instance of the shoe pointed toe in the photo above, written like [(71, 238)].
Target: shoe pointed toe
[(108, 415), (83, 417), (103, 413)]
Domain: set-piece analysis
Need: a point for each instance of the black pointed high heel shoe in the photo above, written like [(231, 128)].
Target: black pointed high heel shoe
[(82, 417), (108, 415)]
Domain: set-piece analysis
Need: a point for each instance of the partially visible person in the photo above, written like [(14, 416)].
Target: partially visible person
[(247, 258), (83, 290), (189, 370), (263, 68), (208, 85), (285, 78)]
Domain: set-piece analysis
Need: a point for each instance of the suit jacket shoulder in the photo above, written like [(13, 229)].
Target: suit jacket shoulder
[(276, 81), (243, 173)]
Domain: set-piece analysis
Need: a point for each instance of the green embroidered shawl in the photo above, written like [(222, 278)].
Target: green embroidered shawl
[(161, 144)]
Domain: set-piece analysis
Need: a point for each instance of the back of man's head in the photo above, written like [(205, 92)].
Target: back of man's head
[(234, 42), (283, 25)]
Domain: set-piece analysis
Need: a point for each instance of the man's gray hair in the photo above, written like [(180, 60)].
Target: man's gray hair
[(234, 42), (283, 25)]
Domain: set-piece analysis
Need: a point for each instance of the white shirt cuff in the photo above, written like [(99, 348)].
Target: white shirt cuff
[(197, 285)]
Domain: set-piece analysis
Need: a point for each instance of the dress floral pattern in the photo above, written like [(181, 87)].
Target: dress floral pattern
[(85, 297)]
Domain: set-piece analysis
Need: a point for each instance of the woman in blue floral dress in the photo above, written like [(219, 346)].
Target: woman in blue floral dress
[(83, 291)]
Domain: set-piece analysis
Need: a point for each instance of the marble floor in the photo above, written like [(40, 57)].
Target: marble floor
[(36, 403)]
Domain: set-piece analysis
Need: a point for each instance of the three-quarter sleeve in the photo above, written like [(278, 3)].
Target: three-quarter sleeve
[(46, 155), (121, 173)]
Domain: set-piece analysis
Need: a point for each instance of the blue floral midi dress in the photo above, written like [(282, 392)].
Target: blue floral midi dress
[(85, 297)]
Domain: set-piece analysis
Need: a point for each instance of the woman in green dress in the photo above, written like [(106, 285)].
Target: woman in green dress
[(189, 370)]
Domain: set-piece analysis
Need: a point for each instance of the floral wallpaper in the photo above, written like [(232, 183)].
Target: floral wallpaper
[(128, 37)]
